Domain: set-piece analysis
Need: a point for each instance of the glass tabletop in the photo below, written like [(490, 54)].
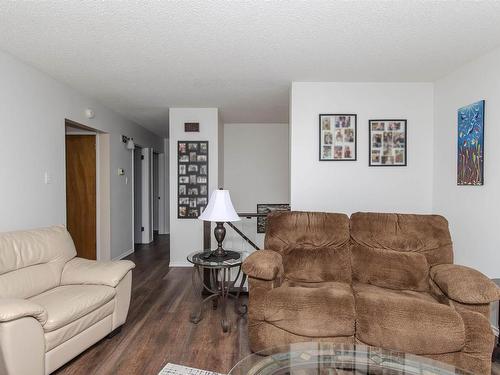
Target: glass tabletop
[(327, 358), (197, 259)]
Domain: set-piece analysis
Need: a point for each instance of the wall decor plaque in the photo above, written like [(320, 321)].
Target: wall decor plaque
[(191, 127)]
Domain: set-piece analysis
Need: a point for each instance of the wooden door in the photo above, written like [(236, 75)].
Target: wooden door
[(81, 193)]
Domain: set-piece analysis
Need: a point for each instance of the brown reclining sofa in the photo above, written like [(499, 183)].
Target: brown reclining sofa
[(385, 280)]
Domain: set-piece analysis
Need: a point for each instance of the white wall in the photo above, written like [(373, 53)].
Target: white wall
[(256, 170), (256, 164), (34, 108), (354, 186), (473, 212), (186, 235)]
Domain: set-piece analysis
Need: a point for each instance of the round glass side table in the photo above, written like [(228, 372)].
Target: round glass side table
[(218, 283)]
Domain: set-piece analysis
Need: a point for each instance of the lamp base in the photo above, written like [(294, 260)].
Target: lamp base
[(218, 256)]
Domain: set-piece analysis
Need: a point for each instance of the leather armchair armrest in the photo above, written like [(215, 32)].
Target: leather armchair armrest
[(264, 265), (14, 308), (84, 271), (464, 284)]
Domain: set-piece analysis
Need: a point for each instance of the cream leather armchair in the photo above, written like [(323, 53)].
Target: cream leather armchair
[(53, 305)]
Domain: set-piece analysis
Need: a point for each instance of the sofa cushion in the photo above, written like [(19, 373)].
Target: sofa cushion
[(390, 269), (31, 261), (314, 245), (396, 250), (61, 335), (65, 304), (318, 264), (324, 310), (407, 321)]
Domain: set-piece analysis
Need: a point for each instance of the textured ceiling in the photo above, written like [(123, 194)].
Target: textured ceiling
[(140, 58)]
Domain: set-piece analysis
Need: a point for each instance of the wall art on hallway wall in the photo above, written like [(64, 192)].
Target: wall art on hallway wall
[(337, 137), (387, 143), (192, 175), (470, 163)]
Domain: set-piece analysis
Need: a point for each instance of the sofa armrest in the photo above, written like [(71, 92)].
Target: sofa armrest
[(264, 265), (84, 271), (464, 284), (14, 308)]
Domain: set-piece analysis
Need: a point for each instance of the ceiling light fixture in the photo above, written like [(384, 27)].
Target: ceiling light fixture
[(129, 142)]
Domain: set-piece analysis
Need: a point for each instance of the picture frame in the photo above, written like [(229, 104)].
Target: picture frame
[(265, 208), (338, 137), (388, 143), (470, 144), (192, 178)]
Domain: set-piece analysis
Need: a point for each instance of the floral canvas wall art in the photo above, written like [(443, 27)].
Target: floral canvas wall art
[(470, 166)]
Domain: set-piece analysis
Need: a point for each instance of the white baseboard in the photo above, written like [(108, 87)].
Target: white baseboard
[(180, 264), (125, 254)]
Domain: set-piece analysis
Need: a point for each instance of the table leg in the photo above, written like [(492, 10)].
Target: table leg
[(221, 288), (214, 276), (225, 285), (240, 308), (196, 315), (198, 283)]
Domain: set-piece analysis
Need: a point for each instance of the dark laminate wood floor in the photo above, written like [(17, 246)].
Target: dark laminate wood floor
[(158, 330)]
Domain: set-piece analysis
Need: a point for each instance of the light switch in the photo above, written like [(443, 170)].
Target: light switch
[(47, 178), (121, 171)]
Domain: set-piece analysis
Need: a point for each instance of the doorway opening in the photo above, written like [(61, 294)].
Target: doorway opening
[(156, 194), (87, 190), (143, 195), (138, 228)]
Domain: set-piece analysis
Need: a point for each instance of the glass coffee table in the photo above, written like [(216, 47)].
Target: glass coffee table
[(338, 359)]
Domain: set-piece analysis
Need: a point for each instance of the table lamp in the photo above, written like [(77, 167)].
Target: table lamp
[(220, 209)]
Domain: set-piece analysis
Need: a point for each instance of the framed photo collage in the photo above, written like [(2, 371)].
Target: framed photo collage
[(387, 140), (192, 174)]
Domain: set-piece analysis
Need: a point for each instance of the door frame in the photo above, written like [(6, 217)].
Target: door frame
[(103, 208), (161, 192), (146, 195)]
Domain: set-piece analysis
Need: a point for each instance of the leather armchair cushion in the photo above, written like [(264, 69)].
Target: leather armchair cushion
[(464, 284), (83, 271), (13, 308), (65, 304), (264, 265), (31, 261), (407, 321), (57, 337), (324, 311), (27, 248)]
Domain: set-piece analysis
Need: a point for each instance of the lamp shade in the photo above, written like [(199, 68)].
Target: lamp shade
[(219, 208)]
